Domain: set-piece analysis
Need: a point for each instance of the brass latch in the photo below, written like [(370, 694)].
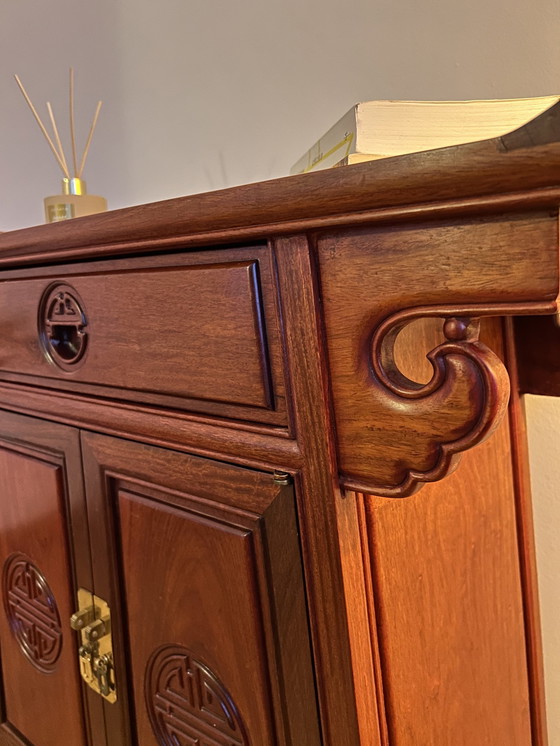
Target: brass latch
[(93, 622)]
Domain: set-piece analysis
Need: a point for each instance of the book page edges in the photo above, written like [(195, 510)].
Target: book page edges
[(399, 127)]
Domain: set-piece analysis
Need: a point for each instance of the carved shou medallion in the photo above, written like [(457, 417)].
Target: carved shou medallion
[(187, 703), (32, 612), (62, 326)]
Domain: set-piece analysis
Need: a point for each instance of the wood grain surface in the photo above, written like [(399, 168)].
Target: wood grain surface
[(336, 639), (41, 687), (526, 539), (209, 559), (285, 326), (189, 332), (9, 738), (391, 438), (472, 178), (244, 444), (449, 605)]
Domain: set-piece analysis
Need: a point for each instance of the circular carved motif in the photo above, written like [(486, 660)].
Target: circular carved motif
[(62, 326), (188, 704), (32, 612)]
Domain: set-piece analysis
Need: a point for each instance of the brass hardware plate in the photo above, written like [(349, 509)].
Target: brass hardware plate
[(93, 622), (281, 477)]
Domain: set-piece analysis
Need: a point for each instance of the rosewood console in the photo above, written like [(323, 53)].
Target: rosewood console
[(263, 477)]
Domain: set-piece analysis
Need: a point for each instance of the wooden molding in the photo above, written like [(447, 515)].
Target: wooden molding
[(476, 178), (467, 377), (465, 398), (396, 432), (334, 327)]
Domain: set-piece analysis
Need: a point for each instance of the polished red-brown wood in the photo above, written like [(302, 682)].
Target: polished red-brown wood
[(537, 343), (196, 333), (448, 601), (394, 434), (452, 647), (526, 540), (346, 718), (210, 563), (310, 304), (474, 179), (40, 488), (244, 443)]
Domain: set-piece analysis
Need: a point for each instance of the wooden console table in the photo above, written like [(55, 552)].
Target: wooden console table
[(225, 455)]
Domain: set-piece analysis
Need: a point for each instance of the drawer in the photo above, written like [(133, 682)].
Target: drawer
[(196, 332)]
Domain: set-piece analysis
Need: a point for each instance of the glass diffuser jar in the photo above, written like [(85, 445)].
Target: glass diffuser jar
[(74, 202)]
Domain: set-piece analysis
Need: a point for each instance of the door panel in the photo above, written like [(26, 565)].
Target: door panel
[(212, 596), (40, 487)]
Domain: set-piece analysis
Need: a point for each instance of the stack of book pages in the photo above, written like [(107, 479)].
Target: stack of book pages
[(382, 129)]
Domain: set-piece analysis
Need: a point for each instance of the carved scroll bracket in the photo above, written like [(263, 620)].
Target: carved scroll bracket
[(424, 427)]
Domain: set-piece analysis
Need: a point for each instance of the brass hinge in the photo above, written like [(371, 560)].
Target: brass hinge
[(93, 622), (281, 477)]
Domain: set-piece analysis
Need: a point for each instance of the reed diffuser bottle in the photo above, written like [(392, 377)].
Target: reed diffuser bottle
[(74, 201)]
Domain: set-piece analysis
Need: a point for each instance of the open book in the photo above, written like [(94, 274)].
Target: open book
[(381, 129)]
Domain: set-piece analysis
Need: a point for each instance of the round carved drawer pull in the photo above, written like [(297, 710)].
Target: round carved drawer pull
[(62, 326)]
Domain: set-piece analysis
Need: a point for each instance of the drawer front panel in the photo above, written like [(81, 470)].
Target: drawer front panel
[(195, 334)]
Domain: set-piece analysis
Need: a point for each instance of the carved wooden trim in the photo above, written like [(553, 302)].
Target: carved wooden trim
[(391, 435), (32, 612), (187, 703), (461, 361)]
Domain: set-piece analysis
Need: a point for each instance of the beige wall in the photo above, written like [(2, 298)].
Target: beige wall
[(543, 427), (202, 94)]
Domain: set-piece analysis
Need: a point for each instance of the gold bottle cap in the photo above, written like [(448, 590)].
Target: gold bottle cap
[(74, 186)]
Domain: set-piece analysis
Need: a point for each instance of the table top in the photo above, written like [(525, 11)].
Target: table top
[(509, 172)]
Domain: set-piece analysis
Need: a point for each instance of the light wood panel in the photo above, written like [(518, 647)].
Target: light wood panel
[(449, 606)]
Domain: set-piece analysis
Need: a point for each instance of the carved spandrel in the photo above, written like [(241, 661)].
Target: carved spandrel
[(428, 425), (459, 406), (392, 433)]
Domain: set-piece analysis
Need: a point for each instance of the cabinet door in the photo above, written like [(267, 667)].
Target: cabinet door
[(200, 563), (41, 493)]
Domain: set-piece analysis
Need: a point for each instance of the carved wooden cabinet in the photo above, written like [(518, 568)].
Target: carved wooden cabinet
[(211, 409), (156, 519)]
